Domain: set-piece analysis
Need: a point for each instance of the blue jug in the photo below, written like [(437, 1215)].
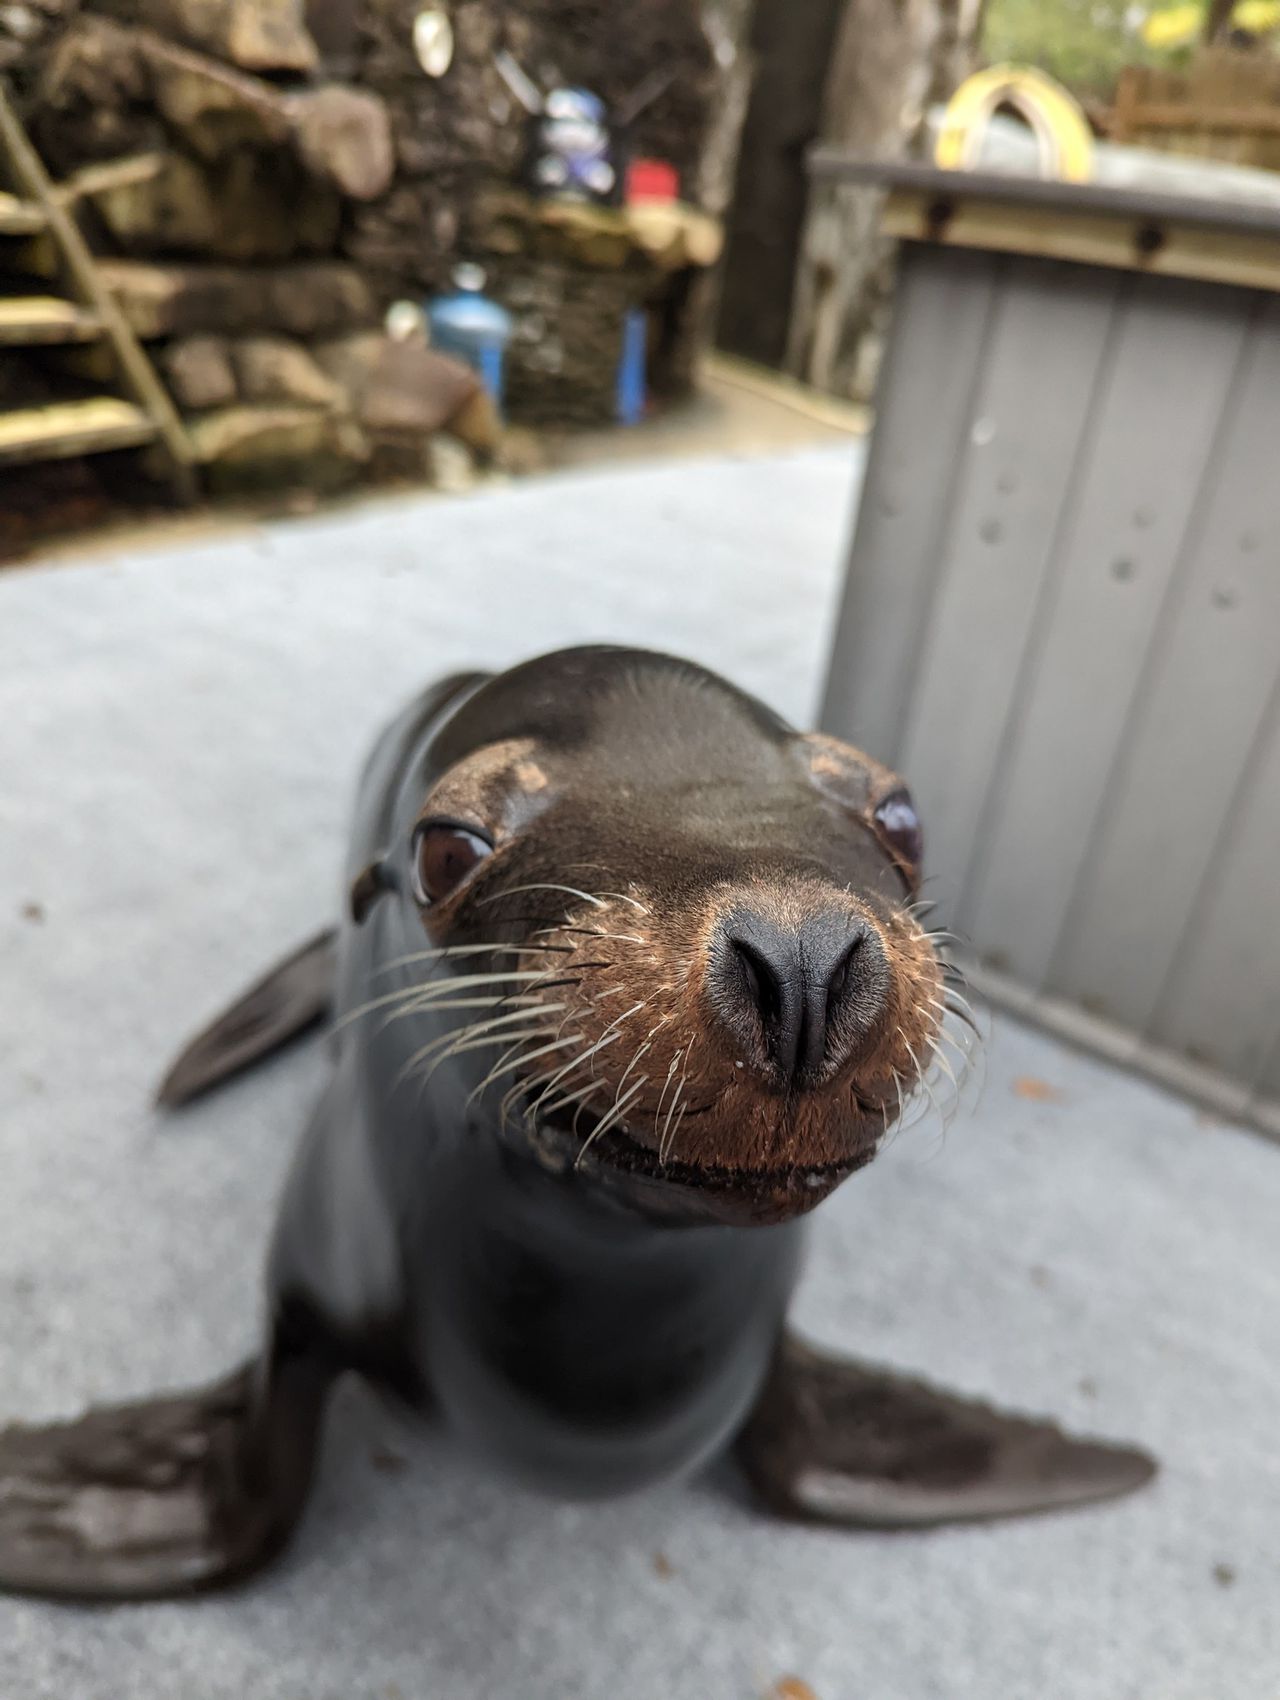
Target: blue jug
[(472, 327)]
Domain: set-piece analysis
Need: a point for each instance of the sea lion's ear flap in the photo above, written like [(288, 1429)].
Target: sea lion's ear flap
[(367, 887), (871, 792), (845, 773)]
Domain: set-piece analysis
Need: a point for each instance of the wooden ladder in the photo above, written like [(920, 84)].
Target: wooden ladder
[(96, 423)]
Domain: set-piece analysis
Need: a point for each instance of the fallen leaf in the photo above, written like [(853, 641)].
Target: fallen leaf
[(791, 1688), (1039, 1091)]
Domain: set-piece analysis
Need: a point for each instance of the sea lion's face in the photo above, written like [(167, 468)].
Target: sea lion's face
[(717, 982)]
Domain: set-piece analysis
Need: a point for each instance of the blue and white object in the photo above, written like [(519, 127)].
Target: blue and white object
[(473, 327)]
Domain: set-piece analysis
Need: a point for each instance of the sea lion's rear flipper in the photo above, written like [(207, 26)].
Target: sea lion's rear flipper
[(838, 1442), (167, 1496), (292, 997)]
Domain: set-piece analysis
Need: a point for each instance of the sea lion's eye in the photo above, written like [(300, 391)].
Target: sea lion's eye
[(443, 855), (899, 826)]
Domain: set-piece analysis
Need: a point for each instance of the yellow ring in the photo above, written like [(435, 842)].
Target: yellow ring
[(1060, 127)]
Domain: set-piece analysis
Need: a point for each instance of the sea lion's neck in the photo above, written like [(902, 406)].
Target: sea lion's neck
[(588, 1345)]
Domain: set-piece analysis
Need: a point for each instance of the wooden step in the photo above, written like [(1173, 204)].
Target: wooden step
[(19, 218), (66, 428), (28, 319)]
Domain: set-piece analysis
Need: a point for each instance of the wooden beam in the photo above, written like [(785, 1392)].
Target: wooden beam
[(19, 218), (71, 428), (135, 367), (29, 319), (1166, 247), (1256, 119)]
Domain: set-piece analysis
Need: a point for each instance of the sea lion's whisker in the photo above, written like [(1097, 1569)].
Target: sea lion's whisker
[(579, 1097), (945, 1036), (528, 1057), (645, 1045), (660, 1022), (532, 1081), (541, 885), (478, 1002), (971, 1021), (957, 1001), (574, 1062), (615, 1024), (674, 1132), (430, 989), (459, 1047), (956, 993), (672, 1067), (607, 1121), (662, 1142), (582, 1104), (499, 1068), (623, 898), (493, 1001), (453, 950), (432, 994), (564, 927), (941, 1062), (471, 1031), (680, 1098), (971, 1025), (589, 932), (526, 1000), (897, 1084), (922, 1082), (523, 1036), (627, 1013)]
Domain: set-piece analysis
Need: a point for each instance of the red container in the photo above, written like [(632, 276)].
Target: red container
[(652, 180)]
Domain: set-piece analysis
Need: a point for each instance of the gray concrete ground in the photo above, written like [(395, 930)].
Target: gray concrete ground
[(178, 736)]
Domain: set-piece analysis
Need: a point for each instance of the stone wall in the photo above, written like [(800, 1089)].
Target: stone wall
[(292, 170)]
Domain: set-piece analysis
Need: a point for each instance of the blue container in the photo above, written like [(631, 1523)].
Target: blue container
[(631, 368), (472, 327)]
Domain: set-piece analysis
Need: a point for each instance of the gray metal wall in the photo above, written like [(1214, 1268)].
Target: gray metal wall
[(1062, 624)]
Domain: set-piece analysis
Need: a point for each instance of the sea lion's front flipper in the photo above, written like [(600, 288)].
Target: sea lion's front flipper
[(167, 1496), (839, 1442), (292, 997)]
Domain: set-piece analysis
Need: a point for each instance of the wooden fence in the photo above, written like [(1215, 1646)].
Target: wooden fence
[(1225, 106)]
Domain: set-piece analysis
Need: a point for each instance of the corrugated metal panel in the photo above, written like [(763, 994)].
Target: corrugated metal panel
[(931, 376), (1214, 661), (1020, 465), (1149, 442), (1062, 623)]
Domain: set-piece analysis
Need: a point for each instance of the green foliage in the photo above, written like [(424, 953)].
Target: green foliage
[(1084, 43)]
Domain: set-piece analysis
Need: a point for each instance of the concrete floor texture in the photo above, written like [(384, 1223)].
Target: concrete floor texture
[(179, 733)]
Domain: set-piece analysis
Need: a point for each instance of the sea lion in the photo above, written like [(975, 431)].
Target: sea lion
[(631, 976)]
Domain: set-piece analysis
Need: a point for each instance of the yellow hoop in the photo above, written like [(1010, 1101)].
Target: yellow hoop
[(1061, 130)]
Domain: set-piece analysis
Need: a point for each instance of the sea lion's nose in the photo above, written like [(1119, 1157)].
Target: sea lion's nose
[(812, 993)]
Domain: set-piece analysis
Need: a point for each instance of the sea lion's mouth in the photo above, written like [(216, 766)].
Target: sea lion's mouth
[(770, 1193)]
